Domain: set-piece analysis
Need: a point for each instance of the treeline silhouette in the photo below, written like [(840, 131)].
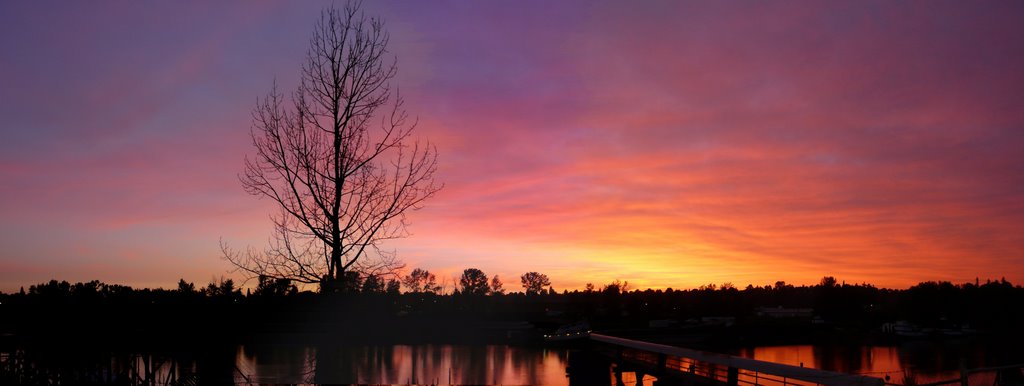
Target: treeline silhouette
[(415, 308)]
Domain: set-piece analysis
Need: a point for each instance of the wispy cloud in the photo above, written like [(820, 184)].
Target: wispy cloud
[(668, 144)]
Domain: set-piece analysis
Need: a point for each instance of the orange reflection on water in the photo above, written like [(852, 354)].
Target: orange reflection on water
[(788, 355), (403, 364), (873, 361), (487, 365)]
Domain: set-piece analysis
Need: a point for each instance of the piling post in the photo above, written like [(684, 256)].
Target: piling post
[(963, 373), (733, 376), (618, 376)]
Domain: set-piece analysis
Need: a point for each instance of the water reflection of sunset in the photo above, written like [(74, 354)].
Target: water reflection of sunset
[(874, 361), (403, 364)]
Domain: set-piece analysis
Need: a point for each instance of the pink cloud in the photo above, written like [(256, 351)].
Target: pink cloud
[(669, 144)]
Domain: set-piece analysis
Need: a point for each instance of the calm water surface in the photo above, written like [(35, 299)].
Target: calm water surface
[(462, 364), (403, 364), (510, 365), (927, 361)]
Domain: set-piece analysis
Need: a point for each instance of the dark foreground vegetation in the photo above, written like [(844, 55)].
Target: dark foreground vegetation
[(98, 313), (96, 333)]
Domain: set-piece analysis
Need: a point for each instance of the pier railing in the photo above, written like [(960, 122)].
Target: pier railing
[(714, 368)]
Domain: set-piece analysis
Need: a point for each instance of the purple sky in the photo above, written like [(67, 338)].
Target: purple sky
[(670, 144)]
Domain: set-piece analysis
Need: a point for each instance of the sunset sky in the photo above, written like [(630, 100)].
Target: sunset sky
[(669, 144)]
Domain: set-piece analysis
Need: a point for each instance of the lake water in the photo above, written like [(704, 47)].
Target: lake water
[(462, 365), (403, 364), (925, 360), (510, 365)]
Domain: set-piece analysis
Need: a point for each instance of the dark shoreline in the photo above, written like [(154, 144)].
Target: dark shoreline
[(98, 314)]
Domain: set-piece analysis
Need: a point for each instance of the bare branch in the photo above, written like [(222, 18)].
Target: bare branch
[(338, 158)]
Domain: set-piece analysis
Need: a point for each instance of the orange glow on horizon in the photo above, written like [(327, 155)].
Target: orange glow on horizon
[(670, 144)]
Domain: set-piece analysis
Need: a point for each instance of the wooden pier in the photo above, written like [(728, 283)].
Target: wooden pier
[(680, 366)]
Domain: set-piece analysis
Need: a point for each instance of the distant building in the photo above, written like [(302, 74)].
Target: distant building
[(780, 312), (727, 321), (662, 323)]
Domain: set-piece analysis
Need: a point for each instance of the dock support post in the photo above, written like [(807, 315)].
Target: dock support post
[(963, 373), (617, 371), (734, 376), (587, 368)]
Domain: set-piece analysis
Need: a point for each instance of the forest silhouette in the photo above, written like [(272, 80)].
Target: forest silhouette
[(377, 311)]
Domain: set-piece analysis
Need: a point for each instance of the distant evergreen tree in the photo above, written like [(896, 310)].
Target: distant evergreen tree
[(394, 287), (186, 287), (373, 285), (269, 286)]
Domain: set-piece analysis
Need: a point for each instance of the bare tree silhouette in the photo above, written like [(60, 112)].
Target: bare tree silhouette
[(339, 159), (497, 286), (421, 280)]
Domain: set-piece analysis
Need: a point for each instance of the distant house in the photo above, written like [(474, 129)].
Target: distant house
[(726, 321), (662, 323), (904, 328), (781, 312)]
